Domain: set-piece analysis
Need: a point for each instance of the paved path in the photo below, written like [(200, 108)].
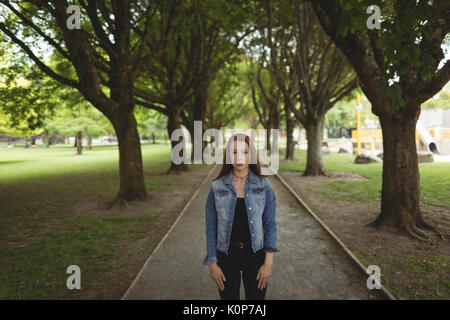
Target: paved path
[(309, 265)]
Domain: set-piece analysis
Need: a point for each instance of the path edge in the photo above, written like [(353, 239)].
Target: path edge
[(166, 235), (335, 237)]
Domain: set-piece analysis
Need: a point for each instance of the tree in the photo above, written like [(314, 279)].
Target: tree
[(77, 123), (228, 97), (323, 73), (116, 43), (206, 41), (282, 76), (151, 122), (399, 67), (290, 120), (224, 24), (266, 97), (16, 128), (24, 93), (167, 85)]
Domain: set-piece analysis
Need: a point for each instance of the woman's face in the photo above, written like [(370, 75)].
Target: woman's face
[(240, 155)]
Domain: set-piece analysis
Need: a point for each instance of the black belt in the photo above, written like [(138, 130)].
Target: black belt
[(240, 244)]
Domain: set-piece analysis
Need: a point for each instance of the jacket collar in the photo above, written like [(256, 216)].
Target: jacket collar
[(227, 179)]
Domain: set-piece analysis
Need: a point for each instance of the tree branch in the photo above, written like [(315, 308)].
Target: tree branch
[(38, 62)]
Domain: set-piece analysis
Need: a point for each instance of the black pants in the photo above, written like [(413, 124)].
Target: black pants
[(249, 262)]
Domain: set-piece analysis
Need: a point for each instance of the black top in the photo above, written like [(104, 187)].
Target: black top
[(240, 231)]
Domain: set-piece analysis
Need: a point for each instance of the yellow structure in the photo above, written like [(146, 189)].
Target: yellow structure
[(371, 136), (358, 124), (432, 132), (359, 136)]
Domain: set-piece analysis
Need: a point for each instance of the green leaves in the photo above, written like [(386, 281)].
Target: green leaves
[(393, 93), (24, 101), (408, 45), (354, 16)]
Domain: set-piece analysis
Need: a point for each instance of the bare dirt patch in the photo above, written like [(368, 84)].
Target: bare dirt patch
[(346, 176), (164, 199), (411, 269)]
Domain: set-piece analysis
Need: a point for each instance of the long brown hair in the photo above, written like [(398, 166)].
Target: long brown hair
[(227, 166)]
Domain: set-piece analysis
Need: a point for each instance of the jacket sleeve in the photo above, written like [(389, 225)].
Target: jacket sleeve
[(269, 219), (211, 229)]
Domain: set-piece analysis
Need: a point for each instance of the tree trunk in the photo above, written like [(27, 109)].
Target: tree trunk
[(290, 143), (47, 140), (268, 142), (89, 146), (173, 123), (132, 185), (204, 144), (276, 119), (190, 128), (314, 162), (400, 196), (79, 143), (199, 111)]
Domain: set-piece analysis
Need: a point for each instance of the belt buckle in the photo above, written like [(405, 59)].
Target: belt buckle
[(241, 244)]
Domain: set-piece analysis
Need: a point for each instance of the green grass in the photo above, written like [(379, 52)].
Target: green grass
[(39, 239), (20, 164), (50, 180), (412, 277), (428, 274), (434, 179), (38, 271)]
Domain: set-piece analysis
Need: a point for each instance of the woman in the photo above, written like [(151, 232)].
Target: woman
[(241, 229)]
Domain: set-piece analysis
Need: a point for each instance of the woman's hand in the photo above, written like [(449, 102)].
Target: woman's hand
[(217, 275), (264, 273)]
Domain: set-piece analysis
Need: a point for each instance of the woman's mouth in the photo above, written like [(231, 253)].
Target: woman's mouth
[(240, 165)]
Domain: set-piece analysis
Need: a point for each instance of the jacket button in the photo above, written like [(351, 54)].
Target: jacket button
[(249, 208), (247, 195), (251, 221), (253, 234)]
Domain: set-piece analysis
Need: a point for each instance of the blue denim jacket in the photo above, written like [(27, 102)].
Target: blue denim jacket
[(260, 202)]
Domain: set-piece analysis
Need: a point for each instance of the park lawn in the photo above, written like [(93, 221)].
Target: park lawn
[(412, 276), (40, 238), (434, 179)]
